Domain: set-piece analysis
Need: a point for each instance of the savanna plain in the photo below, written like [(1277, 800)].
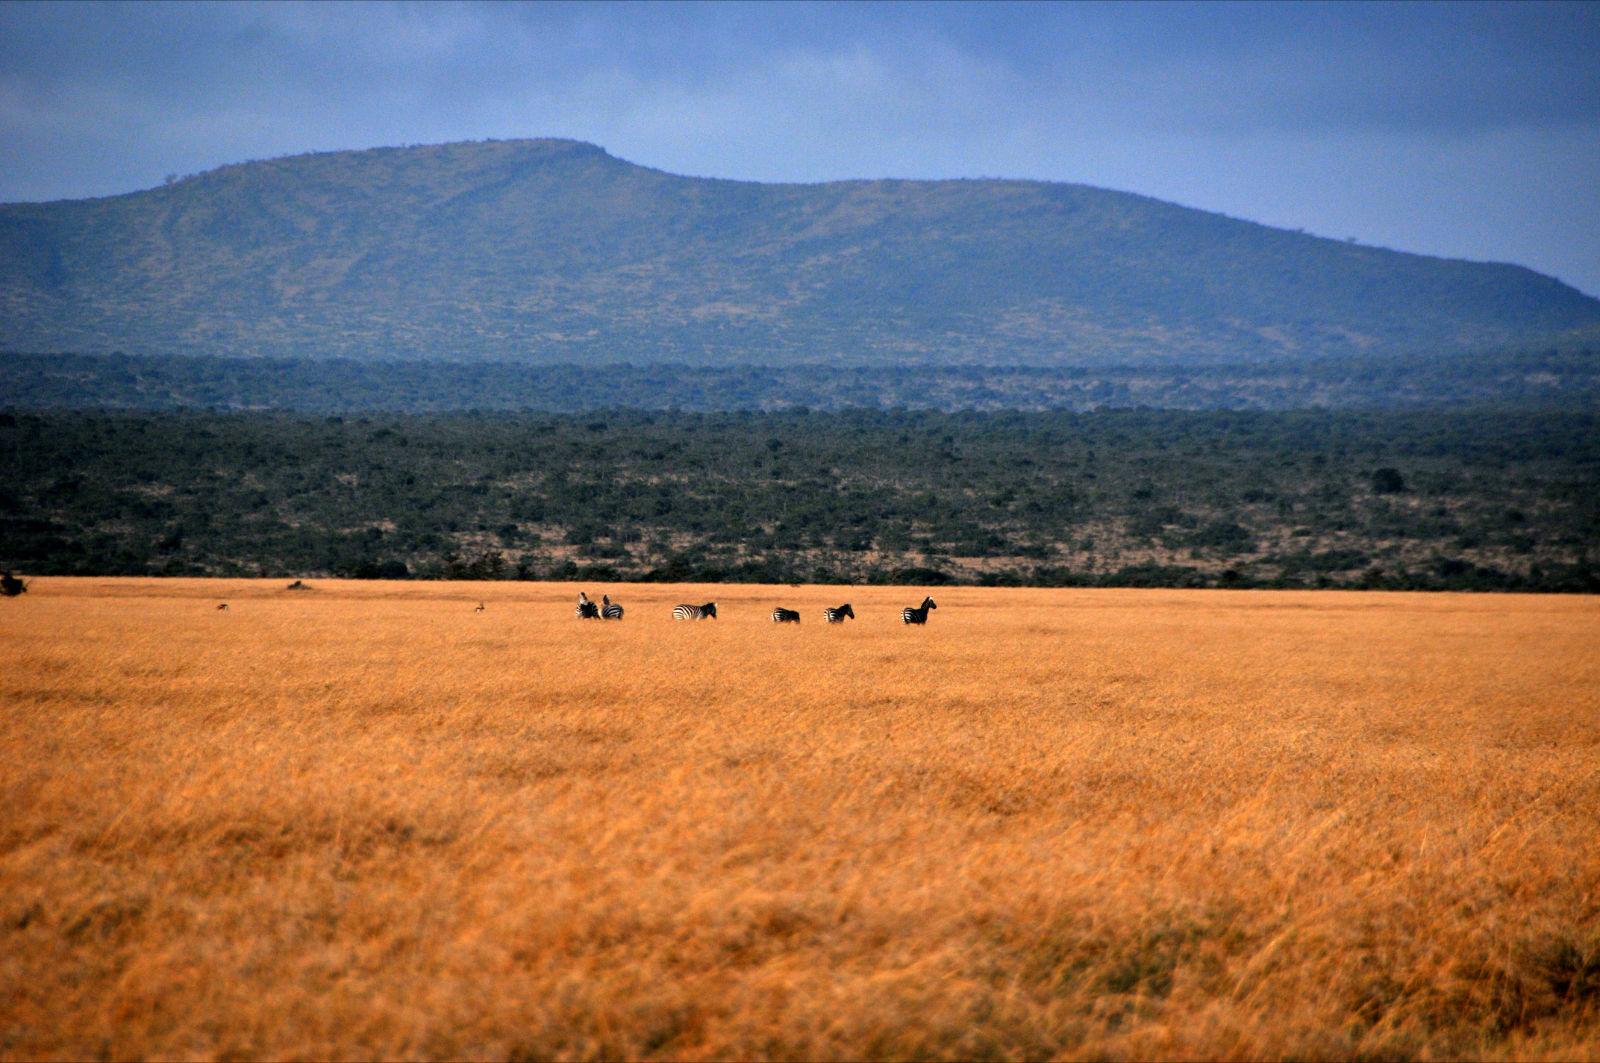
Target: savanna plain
[(366, 820)]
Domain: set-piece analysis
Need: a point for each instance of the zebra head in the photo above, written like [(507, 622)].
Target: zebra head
[(710, 609), (845, 610), (928, 603)]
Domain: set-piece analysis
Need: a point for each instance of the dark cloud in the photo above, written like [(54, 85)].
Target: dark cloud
[(1463, 129)]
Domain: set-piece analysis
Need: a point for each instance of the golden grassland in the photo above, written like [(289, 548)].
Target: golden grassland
[(365, 820)]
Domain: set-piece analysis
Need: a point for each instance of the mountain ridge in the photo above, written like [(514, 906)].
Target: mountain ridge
[(553, 250)]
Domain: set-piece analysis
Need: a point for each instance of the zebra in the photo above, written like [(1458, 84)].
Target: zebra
[(695, 612), (11, 586), (918, 615), (586, 610), (222, 606), (780, 615), (609, 610), (838, 616), (479, 609)]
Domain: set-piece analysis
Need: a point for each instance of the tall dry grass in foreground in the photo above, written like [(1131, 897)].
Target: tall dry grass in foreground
[(365, 821)]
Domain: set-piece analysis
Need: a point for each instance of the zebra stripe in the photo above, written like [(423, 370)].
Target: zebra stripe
[(919, 614), (609, 610), (695, 612), (781, 615), (586, 610), (839, 615)]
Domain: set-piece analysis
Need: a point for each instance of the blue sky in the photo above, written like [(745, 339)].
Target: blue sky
[(1468, 130)]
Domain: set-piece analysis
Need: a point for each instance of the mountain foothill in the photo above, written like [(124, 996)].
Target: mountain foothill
[(554, 252)]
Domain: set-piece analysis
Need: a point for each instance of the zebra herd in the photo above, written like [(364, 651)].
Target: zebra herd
[(835, 615), (606, 610), (610, 610)]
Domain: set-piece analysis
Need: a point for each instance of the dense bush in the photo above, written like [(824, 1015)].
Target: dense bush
[(1493, 500)]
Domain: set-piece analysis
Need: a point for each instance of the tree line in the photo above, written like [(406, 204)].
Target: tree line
[(1476, 499), (1539, 376)]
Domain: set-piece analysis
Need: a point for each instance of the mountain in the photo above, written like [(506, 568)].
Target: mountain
[(553, 251)]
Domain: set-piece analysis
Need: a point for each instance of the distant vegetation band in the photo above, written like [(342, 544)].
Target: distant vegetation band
[(1470, 499)]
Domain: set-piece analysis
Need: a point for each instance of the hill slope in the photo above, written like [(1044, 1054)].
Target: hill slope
[(554, 251)]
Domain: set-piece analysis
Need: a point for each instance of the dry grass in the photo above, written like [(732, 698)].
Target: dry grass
[(364, 821)]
